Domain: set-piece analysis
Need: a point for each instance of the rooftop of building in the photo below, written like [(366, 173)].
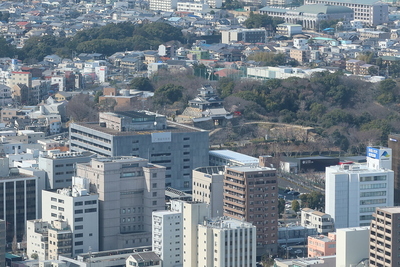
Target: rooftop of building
[(315, 212), (232, 155), (172, 127), (353, 229), (356, 168), (166, 212), (145, 256), (112, 253), (322, 238), (323, 8), (211, 169), (226, 223), (390, 209), (15, 174), (250, 168), (121, 159), (57, 154), (361, 2), (326, 261), (173, 193)]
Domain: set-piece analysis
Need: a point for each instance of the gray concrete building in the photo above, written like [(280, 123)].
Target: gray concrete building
[(129, 190), (60, 166), (180, 148)]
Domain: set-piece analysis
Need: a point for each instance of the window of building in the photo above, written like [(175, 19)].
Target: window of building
[(78, 211), (78, 227), (90, 210)]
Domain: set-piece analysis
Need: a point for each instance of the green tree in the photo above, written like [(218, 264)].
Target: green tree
[(34, 256), (373, 71), (141, 83), (281, 205), (97, 95), (225, 87), (168, 94), (295, 205), (258, 21)]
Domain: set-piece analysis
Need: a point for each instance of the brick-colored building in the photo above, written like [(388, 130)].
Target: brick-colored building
[(251, 194), (322, 245)]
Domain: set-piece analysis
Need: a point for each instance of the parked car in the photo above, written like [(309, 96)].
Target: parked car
[(298, 251), (289, 248), (296, 193), (286, 190)]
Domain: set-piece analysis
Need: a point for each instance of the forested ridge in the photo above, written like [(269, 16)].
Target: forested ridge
[(106, 40)]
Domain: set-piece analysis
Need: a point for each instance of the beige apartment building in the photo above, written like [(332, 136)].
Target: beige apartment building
[(251, 194), (384, 242), (60, 240), (300, 55), (208, 187)]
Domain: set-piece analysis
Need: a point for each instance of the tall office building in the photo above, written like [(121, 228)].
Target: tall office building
[(394, 144), (60, 166), (129, 189), (147, 135), (80, 209), (384, 242), (354, 191), (251, 194), (20, 197)]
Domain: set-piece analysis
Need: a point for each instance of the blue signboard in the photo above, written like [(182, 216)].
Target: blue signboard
[(373, 152)]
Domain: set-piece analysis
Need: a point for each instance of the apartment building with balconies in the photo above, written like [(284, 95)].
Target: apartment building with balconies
[(251, 194), (321, 221), (384, 239)]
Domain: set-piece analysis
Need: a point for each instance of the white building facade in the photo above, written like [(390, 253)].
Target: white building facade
[(354, 191), (80, 209), (167, 237), (226, 242)]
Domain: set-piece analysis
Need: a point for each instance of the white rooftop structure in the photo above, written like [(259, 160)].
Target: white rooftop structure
[(229, 157)]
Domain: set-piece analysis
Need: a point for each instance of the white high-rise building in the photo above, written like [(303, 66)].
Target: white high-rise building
[(354, 191), (226, 242), (186, 232), (167, 237), (79, 209)]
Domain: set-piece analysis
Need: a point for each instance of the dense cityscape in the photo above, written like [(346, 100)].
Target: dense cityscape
[(188, 133)]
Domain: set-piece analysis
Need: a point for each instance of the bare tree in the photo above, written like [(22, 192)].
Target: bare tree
[(14, 245), (82, 108)]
